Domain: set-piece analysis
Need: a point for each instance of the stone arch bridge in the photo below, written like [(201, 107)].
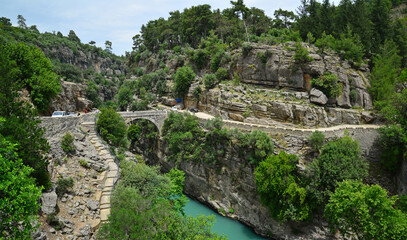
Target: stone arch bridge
[(156, 117)]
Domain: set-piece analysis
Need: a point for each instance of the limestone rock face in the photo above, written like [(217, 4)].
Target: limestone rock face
[(71, 98), (281, 71), (268, 105), (318, 97)]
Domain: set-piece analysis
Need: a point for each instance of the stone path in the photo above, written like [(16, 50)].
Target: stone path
[(108, 177)]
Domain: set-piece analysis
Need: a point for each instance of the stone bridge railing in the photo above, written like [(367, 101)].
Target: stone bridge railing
[(157, 117)]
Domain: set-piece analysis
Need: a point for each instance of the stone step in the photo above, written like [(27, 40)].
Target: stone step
[(105, 199), (112, 166), (107, 190), (112, 174), (88, 123), (104, 214), (104, 206), (110, 182)]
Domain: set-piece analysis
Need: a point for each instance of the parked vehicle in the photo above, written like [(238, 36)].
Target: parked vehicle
[(195, 110), (71, 114), (59, 114), (174, 108)]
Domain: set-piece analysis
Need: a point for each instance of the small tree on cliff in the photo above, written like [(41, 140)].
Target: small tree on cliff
[(183, 79)]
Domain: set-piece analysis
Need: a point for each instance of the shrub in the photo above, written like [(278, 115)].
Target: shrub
[(67, 143), (216, 60), (83, 163), (200, 58), (182, 81), (210, 81), (340, 160), (222, 74), (63, 185), (301, 54), (246, 48), (316, 140), (112, 127), (257, 145), (328, 84), (279, 186), (197, 93)]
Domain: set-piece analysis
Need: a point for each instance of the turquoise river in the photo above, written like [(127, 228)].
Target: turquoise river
[(232, 229)]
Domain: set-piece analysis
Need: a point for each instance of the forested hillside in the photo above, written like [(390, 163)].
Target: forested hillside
[(320, 66)]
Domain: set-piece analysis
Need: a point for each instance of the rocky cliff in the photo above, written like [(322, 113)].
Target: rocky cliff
[(230, 186), (71, 98)]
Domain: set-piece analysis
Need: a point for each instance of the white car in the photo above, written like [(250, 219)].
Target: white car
[(174, 108), (59, 114)]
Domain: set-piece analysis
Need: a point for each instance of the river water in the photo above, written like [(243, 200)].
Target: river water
[(232, 229)]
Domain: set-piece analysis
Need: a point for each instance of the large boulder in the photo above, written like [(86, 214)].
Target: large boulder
[(49, 202), (318, 97)]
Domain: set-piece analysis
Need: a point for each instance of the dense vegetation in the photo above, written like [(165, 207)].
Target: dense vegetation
[(153, 204)]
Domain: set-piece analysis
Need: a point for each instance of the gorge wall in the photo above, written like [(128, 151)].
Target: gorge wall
[(230, 186)]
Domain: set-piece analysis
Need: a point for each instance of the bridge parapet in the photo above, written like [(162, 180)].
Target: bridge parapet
[(157, 117)]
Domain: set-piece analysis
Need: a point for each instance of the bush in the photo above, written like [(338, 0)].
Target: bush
[(279, 186), (316, 140), (63, 185), (112, 128), (256, 145), (301, 54), (200, 58), (340, 160), (328, 84), (210, 81), (182, 81), (197, 93), (365, 211), (67, 143), (222, 74)]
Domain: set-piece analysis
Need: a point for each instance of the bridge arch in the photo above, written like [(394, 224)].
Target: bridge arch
[(156, 117)]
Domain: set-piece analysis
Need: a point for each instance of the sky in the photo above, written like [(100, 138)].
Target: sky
[(114, 20)]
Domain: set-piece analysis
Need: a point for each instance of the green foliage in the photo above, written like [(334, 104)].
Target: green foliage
[(92, 93), (384, 73), (392, 141), (112, 128), (366, 212), (30, 69), (340, 159), (281, 189), (182, 81), (197, 93), (143, 133), (325, 42), (63, 186), (153, 203), (26, 67), (210, 81), (301, 54), (222, 74), (328, 84), (67, 143), (19, 195), (316, 140), (200, 58), (349, 47), (255, 146), (83, 163)]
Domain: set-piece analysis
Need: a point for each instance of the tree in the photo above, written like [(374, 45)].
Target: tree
[(365, 211), (112, 127), (92, 43), (72, 36), (67, 143), (284, 18), (316, 140), (25, 67), (241, 9), (108, 46), (5, 22), (182, 81), (384, 73), (340, 160), (19, 195), (380, 17), (21, 22), (210, 81), (279, 186)]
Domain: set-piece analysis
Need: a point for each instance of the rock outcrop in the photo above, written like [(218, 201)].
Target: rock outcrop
[(250, 104), (280, 70), (71, 98)]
